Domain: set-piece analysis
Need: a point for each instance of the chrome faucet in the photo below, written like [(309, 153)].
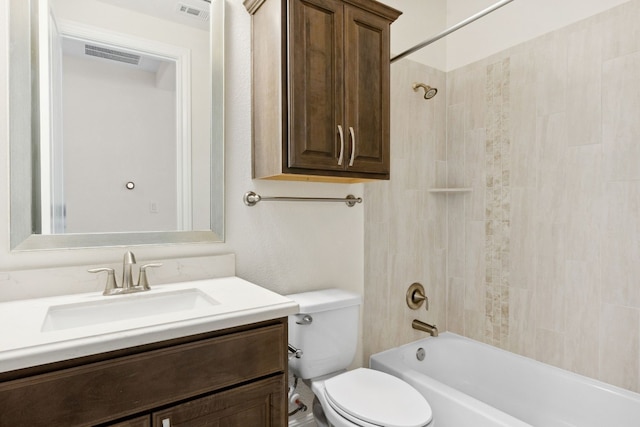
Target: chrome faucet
[(127, 274), (425, 327), (128, 285)]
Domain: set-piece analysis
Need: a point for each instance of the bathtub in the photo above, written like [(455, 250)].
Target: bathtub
[(471, 384)]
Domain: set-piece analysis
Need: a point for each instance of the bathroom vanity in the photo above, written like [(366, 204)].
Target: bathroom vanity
[(227, 367)]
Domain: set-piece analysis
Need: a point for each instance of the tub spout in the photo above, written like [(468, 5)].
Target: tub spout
[(425, 327)]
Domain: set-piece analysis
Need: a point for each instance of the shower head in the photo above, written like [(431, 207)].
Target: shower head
[(429, 92)]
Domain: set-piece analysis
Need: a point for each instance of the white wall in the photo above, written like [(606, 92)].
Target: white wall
[(286, 247), (119, 127), (420, 20)]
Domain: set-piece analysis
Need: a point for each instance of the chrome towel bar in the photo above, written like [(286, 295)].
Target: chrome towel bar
[(251, 199)]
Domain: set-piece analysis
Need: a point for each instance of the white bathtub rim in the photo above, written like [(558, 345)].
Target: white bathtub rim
[(469, 402), (472, 404), (612, 397), (567, 374)]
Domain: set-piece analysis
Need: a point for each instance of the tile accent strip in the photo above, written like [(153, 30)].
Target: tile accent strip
[(497, 204)]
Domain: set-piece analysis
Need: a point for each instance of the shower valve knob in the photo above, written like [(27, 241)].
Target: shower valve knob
[(416, 297)]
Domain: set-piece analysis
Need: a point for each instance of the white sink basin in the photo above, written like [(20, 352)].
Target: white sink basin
[(45, 330), (124, 307)]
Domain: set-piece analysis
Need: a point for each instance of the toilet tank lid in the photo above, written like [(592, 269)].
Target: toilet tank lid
[(325, 299)]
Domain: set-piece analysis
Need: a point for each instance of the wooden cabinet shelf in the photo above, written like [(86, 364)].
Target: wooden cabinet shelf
[(321, 89)]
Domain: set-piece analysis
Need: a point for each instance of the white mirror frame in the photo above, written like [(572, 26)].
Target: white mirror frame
[(24, 142)]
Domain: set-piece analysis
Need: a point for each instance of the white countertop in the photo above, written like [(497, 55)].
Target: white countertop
[(27, 340)]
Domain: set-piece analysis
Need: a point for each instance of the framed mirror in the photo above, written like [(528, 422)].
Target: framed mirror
[(117, 122)]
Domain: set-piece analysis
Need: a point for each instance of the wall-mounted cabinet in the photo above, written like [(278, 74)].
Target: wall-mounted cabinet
[(320, 89)]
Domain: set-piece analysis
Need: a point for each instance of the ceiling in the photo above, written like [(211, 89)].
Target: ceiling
[(169, 10)]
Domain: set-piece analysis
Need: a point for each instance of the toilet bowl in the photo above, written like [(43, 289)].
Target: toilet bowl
[(326, 330)]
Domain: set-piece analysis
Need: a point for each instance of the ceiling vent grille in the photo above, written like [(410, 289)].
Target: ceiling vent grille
[(111, 54), (193, 12)]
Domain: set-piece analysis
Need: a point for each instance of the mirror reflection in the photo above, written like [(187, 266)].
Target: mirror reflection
[(118, 113), (126, 137), (117, 154)]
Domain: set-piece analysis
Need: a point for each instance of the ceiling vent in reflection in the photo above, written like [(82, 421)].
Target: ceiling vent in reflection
[(111, 54), (193, 12)]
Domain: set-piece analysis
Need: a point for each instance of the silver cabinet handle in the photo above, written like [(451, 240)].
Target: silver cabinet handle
[(341, 145), (353, 145)]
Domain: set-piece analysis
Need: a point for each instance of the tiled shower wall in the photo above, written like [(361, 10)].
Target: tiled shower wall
[(405, 225), (543, 255)]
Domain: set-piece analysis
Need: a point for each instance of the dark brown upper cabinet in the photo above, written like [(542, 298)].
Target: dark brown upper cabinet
[(320, 89)]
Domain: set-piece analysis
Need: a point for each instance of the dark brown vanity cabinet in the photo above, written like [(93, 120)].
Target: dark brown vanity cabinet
[(235, 377), (244, 406), (321, 89)]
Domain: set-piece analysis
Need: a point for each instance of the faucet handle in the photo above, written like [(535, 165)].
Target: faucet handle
[(143, 281), (111, 279), (416, 297)]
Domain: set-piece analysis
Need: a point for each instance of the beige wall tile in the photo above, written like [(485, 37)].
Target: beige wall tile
[(455, 146), (475, 267), (522, 245), (620, 248), (620, 124), (550, 347), (405, 226), (584, 102), (456, 235), (542, 257), (621, 33), (619, 353), (475, 143), (455, 305), (582, 338), (551, 69), (522, 322)]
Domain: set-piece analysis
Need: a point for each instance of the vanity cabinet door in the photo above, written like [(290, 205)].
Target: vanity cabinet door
[(255, 405)]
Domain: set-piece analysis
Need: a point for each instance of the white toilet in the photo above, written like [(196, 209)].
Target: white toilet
[(326, 330)]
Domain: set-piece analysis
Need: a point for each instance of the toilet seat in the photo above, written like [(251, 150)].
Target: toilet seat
[(372, 398)]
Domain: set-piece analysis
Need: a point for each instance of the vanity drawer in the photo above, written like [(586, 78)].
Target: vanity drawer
[(124, 386)]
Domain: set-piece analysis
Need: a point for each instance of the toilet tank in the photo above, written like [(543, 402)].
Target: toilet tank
[(326, 330)]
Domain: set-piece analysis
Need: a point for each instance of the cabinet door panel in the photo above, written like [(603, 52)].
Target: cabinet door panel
[(317, 84), (367, 89), (254, 405)]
